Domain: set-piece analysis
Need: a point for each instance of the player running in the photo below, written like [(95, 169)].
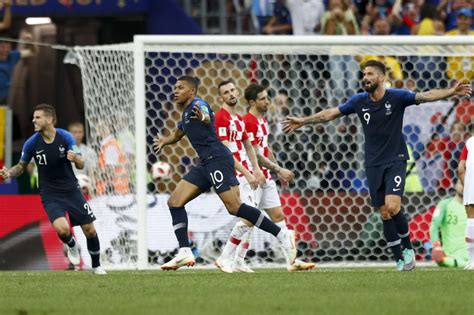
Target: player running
[(381, 113), (54, 150), (216, 169)]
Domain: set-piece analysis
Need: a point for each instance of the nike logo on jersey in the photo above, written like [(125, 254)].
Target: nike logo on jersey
[(365, 109), (219, 186), (396, 189), (40, 151)]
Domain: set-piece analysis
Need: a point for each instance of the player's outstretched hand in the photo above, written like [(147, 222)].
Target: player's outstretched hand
[(158, 143), (197, 112), (71, 155), (291, 123), (463, 89), (285, 175), (4, 173)]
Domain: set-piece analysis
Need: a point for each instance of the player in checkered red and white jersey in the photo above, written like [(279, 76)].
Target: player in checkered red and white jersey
[(266, 197), (466, 175), (230, 129)]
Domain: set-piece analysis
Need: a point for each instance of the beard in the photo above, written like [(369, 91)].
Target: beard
[(371, 87), (232, 102)]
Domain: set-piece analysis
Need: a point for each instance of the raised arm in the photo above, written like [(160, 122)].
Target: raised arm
[(7, 16), (292, 123), (460, 89), (160, 142), (15, 171)]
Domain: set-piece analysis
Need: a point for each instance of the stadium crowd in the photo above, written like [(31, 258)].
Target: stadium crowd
[(361, 17)]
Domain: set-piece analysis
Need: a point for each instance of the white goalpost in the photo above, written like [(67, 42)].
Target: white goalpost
[(128, 98)]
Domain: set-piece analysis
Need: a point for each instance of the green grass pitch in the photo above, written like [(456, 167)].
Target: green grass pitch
[(321, 291)]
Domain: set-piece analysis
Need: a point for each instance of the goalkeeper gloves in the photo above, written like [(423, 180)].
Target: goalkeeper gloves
[(437, 253)]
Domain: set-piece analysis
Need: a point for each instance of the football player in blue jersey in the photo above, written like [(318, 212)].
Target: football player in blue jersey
[(53, 150), (216, 169), (381, 112)]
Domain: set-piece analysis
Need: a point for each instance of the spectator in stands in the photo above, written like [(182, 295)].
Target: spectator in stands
[(88, 154), (447, 231), (381, 27), (113, 176), (277, 112), (306, 16), (280, 22), (7, 57), (460, 68), (449, 147), (377, 10), (449, 10), (430, 22), (339, 19), (405, 17), (261, 11)]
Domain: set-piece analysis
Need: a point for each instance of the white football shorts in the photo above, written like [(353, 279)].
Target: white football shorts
[(267, 196)]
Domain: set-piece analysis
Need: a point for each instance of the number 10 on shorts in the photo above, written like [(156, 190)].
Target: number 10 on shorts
[(216, 177)]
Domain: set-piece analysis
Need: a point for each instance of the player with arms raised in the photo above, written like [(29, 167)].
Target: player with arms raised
[(54, 150), (466, 175), (381, 113), (216, 169)]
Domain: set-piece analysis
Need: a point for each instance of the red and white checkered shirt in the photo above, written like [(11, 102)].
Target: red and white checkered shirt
[(231, 128), (257, 130)]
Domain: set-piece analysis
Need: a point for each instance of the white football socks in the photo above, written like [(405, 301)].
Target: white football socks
[(235, 238)]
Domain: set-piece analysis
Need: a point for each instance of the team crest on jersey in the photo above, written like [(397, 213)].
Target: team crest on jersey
[(62, 151), (186, 118), (388, 108), (222, 131)]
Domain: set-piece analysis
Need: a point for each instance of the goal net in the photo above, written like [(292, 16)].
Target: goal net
[(128, 95)]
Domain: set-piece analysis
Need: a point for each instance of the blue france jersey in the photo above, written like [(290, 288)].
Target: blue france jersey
[(382, 122), (202, 136), (54, 169)]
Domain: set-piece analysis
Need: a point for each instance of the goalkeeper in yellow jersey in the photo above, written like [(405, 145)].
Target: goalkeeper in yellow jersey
[(447, 231)]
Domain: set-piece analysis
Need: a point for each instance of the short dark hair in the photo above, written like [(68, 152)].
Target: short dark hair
[(193, 81), (48, 110), (222, 83), (252, 91), (376, 64)]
